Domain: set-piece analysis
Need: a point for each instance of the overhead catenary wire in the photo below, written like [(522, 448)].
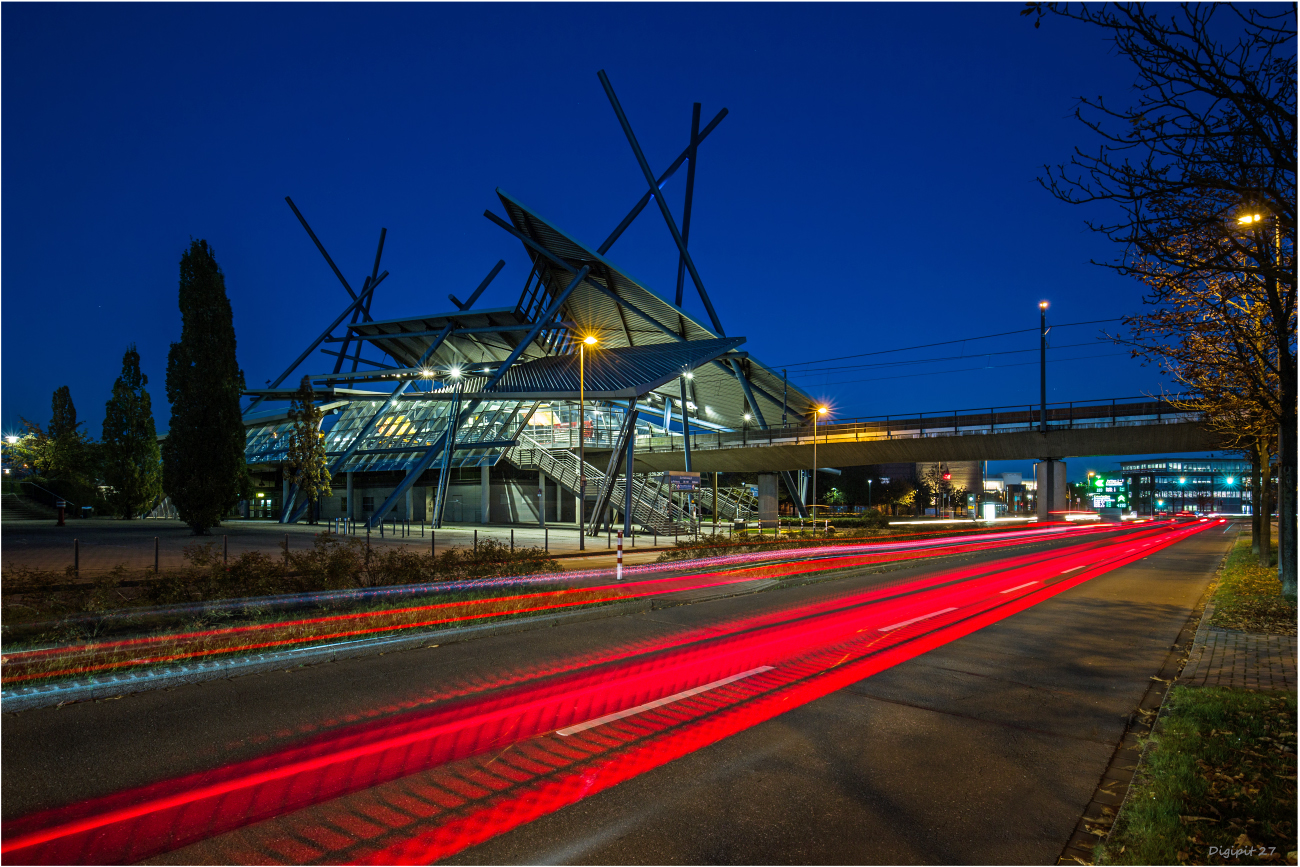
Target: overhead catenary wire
[(935, 360), (986, 367), (940, 343)]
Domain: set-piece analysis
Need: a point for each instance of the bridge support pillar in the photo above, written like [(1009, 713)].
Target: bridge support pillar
[(767, 497), (1049, 475), (485, 495)]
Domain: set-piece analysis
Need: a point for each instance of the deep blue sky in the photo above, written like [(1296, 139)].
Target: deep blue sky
[(872, 188)]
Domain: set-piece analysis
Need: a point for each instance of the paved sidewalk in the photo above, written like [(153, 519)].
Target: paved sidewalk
[(1243, 660)]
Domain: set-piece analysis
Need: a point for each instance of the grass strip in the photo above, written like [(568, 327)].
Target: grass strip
[(1249, 596), (1217, 784)]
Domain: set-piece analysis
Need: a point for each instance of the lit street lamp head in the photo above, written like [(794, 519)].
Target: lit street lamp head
[(821, 410), (1246, 219), (1042, 305), (590, 340)]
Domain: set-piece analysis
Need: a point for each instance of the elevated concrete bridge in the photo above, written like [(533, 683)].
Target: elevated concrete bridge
[(1128, 427)]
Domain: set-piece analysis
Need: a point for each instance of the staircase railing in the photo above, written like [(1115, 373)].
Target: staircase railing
[(652, 509)]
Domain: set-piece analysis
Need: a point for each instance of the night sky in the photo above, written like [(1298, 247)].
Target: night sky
[(873, 188)]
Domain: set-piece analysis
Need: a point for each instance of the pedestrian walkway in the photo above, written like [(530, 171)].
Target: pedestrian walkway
[(1242, 660), (97, 545)]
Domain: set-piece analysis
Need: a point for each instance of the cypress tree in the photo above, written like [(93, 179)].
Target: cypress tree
[(132, 461), (309, 466), (203, 454), (64, 422), (67, 449)]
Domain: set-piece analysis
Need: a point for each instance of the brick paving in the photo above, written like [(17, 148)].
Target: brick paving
[(1243, 660)]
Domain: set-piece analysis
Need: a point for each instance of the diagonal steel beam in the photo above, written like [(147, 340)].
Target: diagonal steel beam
[(544, 321), (444, 471), (379, 251), (659, 199), (356, 302), (496, 269), (690, 194), (671, 170)]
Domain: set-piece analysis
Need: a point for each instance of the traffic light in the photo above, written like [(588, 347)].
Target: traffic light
[(947, 477)]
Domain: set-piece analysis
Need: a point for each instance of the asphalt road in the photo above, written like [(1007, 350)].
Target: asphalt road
[(984, 750)]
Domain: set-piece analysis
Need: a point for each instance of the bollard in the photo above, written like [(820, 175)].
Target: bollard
[(381, 529), (367, 545), (656, 537), (609, 539), (76, 558), (512, 540), (546, 538), (433, 545), (618, 570), (62, 505), (155, 555), (476, 541)]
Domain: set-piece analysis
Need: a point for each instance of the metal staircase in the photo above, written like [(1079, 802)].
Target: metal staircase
[(652, 508), (734, 504)]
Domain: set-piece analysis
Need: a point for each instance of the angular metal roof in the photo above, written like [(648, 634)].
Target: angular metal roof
[(625, 313)]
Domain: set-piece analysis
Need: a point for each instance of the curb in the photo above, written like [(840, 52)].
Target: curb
[(52, 695), (1112, 792)]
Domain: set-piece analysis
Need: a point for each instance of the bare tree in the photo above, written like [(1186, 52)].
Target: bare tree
[(1199, 177)]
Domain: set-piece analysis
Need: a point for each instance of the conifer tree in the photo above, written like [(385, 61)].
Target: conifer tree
[(132, 461), (308, 463), (67, 452), (203, 454)]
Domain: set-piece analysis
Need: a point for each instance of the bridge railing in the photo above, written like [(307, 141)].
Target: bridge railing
[(1074, 415)]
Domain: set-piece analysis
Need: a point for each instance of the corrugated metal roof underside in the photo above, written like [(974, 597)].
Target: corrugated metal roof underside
[(593, 310)]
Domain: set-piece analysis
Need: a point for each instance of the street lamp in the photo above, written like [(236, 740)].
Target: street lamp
[(589, 340), (821, 411), (868, 494), (1042, 379)]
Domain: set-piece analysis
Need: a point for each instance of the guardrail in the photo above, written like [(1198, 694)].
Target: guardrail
[(1077, 415)]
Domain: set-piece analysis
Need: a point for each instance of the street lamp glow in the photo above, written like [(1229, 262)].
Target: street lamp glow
[(454, 372), (1229, 480), (1246, 219), (590, 340), (821, 410), (748, 416), (1182, 481), (11, 439), (1042, 305)]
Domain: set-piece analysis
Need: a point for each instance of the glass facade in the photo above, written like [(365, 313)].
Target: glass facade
[(1200, 485)]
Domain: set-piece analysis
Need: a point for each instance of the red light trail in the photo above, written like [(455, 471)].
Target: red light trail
[(588, 725)]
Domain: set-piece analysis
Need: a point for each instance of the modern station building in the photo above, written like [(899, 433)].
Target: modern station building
[(473, 414)]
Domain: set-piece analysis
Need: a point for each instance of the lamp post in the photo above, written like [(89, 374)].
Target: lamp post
[(821, 411), (1042, 372), (589, 340), (868, 494)]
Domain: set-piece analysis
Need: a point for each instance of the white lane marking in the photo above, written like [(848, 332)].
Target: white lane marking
[(1075, 569), (1021, 587), (659, 702), (915, 620)]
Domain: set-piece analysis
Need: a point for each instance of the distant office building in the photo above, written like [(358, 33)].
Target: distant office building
[(1180, 485)]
